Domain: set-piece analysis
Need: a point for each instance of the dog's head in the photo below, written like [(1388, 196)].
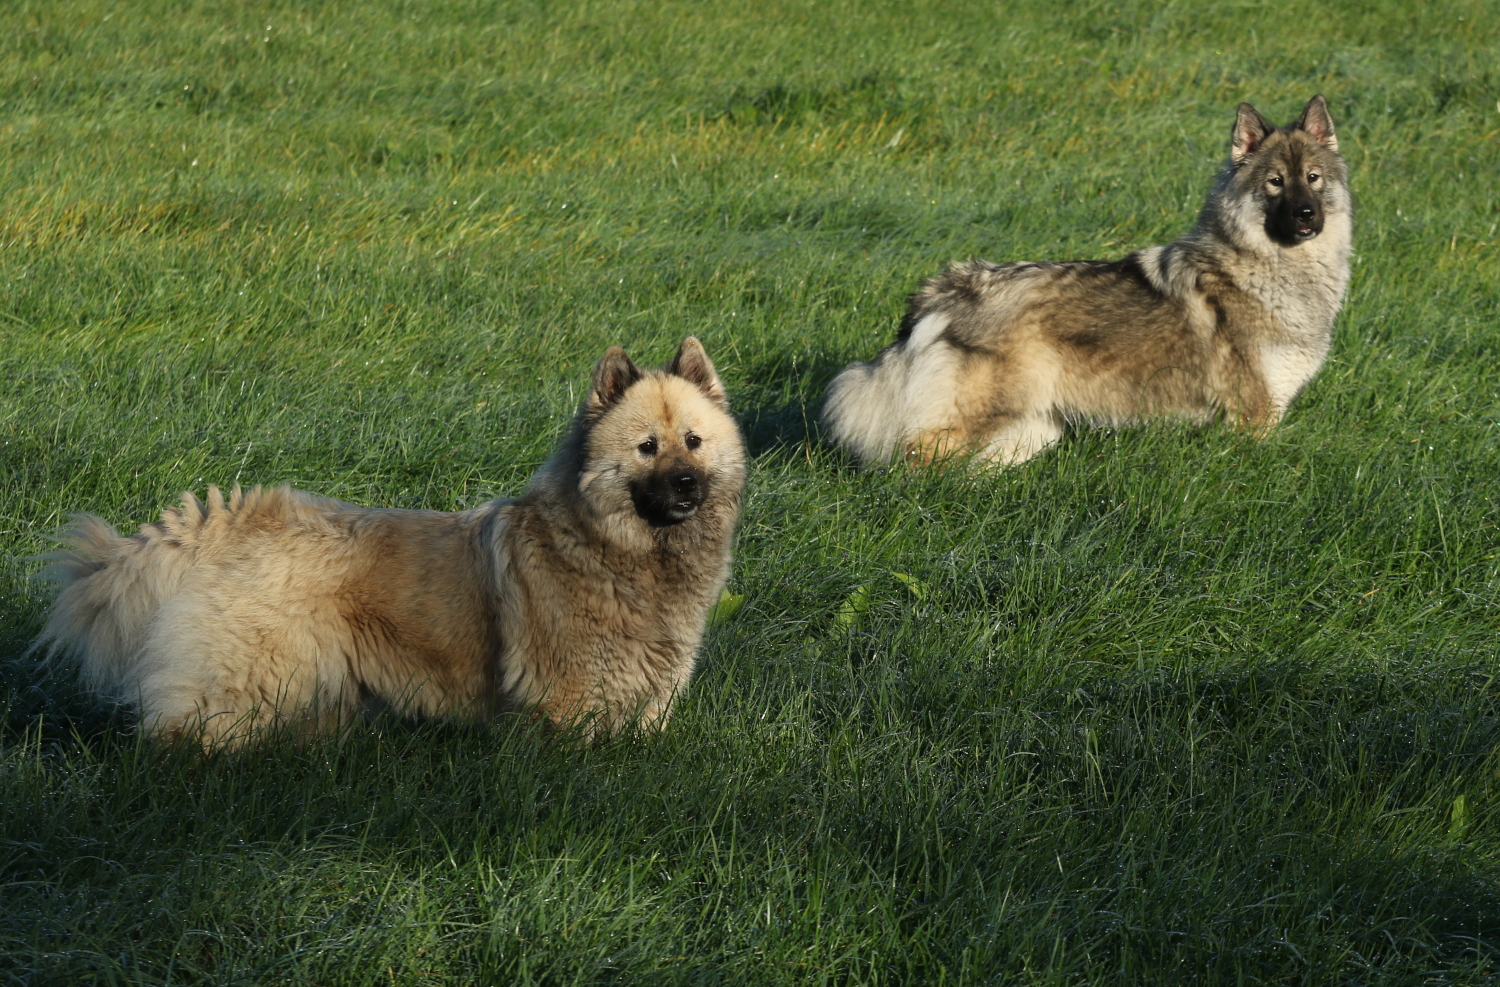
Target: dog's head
[(1294, 173), (660, 444)]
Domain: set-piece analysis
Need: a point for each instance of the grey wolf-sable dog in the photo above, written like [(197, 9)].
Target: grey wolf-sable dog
[(1232, 319)]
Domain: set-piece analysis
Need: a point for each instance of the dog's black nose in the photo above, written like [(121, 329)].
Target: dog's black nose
[(1305, 212), (685, 483)]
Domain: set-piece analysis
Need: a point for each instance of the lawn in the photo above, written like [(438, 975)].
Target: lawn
[(1164, 705)]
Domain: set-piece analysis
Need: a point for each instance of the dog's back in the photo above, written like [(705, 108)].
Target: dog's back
[(272, 601)]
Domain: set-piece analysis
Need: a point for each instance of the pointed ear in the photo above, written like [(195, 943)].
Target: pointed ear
[(1318, 125), (692, 363), (1250, 130), (613, 376)]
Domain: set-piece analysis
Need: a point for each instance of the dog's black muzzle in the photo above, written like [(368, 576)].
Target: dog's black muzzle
[(670, 495), (1296, 218)]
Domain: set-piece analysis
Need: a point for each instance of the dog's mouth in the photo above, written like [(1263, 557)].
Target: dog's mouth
[(660, 515), (1289, 234), (669, 497)]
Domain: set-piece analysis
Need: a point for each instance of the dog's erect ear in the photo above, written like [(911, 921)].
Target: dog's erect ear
[(692, 363), (612, 378), (1317, 124), (1250, 129)]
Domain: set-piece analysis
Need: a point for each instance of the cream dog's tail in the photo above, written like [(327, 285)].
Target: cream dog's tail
[(109, 588)]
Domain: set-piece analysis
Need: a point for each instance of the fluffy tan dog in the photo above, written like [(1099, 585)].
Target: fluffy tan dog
[(583, 601)]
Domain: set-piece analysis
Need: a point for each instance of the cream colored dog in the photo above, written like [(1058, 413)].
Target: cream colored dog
[(583, 600)]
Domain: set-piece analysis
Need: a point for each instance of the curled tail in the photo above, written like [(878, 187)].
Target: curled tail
[(866, 406), (878, 409), (109, 588)]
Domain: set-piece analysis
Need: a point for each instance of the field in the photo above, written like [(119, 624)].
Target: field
[(1165, 705)]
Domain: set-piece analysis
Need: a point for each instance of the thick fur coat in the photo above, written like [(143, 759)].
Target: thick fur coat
[(583, 601), (1232, 319)]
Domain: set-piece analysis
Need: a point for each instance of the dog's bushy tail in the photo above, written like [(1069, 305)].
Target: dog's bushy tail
[(109, 588), (866, 411)]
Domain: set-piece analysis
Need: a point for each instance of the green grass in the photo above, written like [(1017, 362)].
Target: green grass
[(1172, 705)]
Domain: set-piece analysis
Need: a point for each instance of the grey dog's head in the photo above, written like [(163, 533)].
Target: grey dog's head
[(1294, 172)]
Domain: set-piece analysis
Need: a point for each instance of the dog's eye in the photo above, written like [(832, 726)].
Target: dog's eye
[(648, 448), (1276, 181), (693, 441), (1312, 177)]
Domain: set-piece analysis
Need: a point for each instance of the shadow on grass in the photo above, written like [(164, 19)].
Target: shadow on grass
[(42, 705), (781, 400)]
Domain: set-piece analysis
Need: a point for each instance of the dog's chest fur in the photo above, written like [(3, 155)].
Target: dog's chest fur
[(637, 617), (1301, 290)]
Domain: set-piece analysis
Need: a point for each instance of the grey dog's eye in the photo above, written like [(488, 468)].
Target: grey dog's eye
[(648, 448), (693, 441), (1276, 180), (1312, 176)]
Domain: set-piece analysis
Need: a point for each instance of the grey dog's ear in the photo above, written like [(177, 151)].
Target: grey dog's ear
[(1316, 122), (692, 363), (1250, 129), (612, 378)]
